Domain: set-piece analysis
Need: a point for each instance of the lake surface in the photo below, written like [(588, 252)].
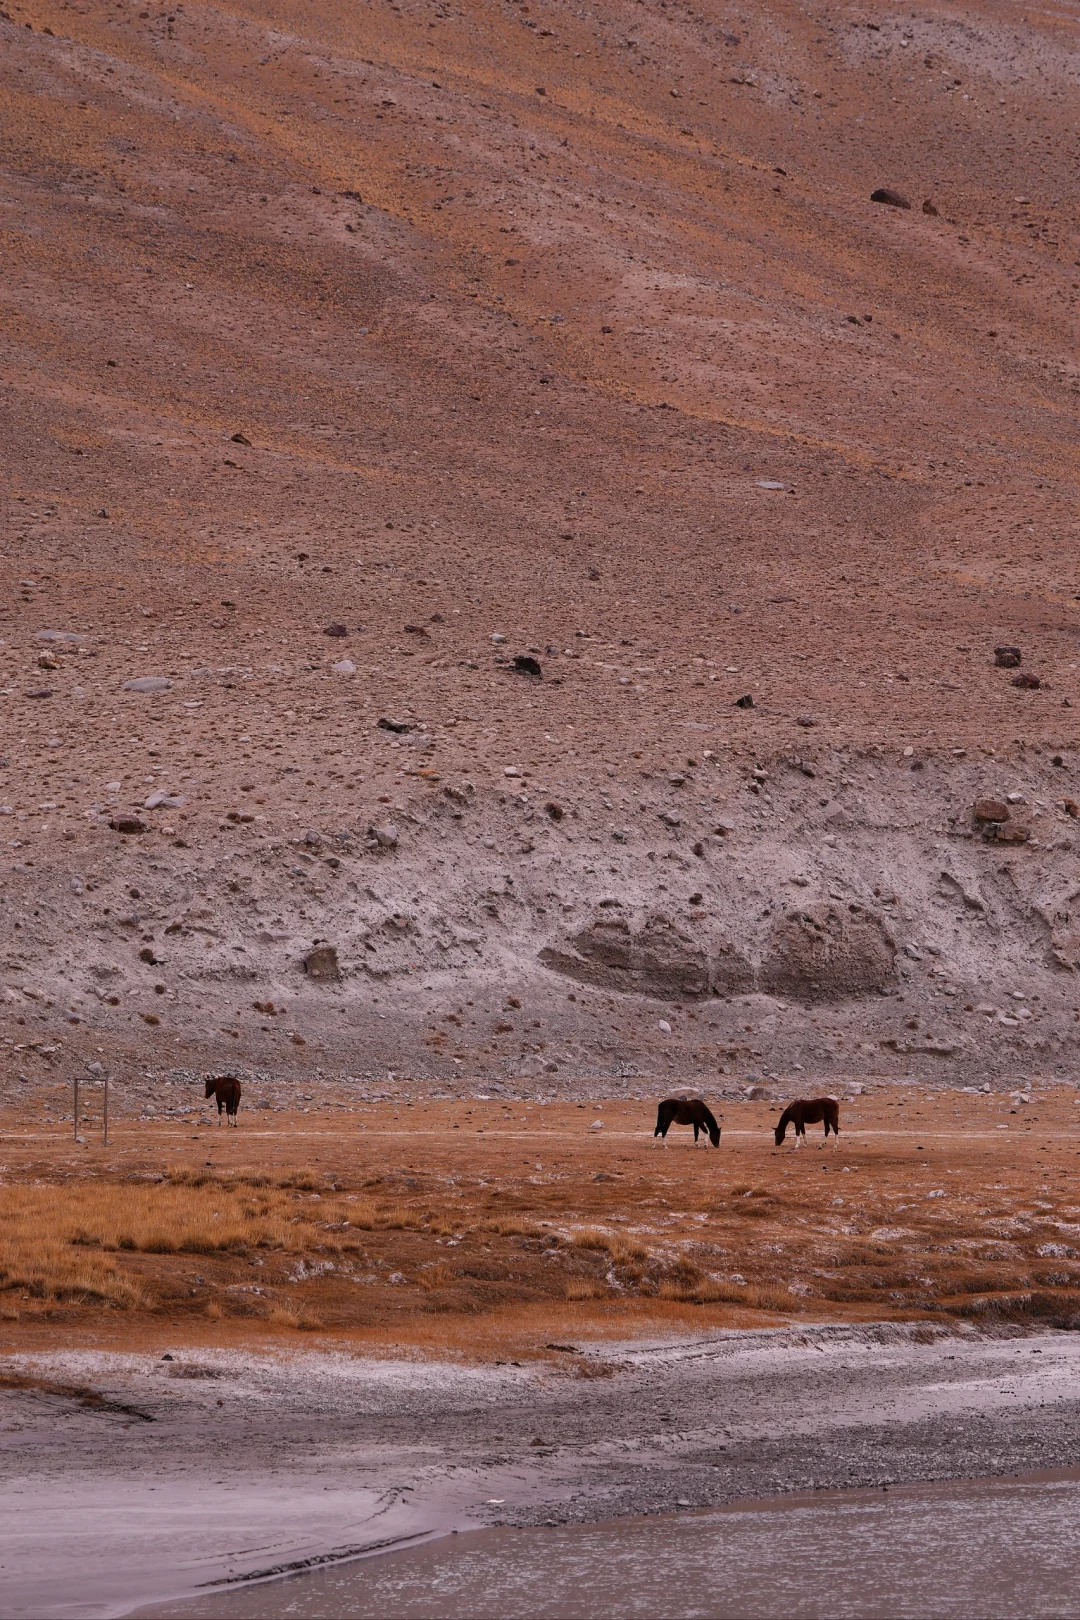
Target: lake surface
[(996, 1549)]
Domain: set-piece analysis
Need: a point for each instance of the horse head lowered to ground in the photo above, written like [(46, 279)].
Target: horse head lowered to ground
[(687, 1111), (809, 1111)]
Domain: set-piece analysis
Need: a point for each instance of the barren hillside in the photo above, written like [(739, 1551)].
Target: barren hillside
[(350, 353)]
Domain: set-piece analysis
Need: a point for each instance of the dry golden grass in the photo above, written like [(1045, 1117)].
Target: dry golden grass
[(59, 1242), (451, 1243)]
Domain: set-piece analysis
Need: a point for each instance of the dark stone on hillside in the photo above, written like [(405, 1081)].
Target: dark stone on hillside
[(528, 666), (894, 199), (1007, 657), (746, 702), (394, 725)]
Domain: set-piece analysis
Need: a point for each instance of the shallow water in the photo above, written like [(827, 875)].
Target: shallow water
[(991, 1548)]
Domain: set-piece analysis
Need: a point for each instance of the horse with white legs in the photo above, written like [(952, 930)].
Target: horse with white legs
[(810, 1111)]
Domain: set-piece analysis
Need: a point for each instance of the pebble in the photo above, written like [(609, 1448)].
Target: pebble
[(336, 630), (990, 810), (159, 799), (664, 1026), (58, 635), (745, 702), (386, 837), (148, 683), (525, 665), (344, 666), (1007, 657)]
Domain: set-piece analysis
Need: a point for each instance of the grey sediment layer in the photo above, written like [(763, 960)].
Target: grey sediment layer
[(322, 1455)]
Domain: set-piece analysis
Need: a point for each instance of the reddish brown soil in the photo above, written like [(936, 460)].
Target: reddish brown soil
[(183, 264)]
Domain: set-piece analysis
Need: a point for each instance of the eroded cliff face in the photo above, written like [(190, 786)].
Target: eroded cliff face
[(858, 923)]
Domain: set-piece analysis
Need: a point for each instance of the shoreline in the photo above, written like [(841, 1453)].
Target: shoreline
[(225, 1467)]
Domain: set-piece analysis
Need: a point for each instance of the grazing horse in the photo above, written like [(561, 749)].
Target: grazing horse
[(810, 1111), (226, 1088), (686, 1111)]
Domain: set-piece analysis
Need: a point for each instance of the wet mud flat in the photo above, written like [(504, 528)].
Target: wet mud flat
[(994, 1547), (227, 1467)]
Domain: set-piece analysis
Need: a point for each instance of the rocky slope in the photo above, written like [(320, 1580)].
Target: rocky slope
[(347, 357)]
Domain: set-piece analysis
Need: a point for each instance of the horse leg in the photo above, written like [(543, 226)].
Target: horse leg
[(695, 1133)]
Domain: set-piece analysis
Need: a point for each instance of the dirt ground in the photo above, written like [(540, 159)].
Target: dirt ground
[(484, 1229)]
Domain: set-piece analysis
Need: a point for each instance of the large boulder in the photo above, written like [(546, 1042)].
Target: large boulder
[(827, 953)]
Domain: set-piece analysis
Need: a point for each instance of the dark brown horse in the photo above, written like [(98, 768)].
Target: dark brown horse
[(809, 1111), (227, 1089), (686, 1111)]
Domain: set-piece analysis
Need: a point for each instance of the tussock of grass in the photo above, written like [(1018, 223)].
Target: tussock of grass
[(590, 1237), (623, 1250), (706, 1291), (513, 1226), (303, 1321), (437, 1276), (586, 1288)]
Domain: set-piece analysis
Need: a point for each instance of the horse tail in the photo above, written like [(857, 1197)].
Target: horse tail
[(832, 1115), (710, 1121)]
